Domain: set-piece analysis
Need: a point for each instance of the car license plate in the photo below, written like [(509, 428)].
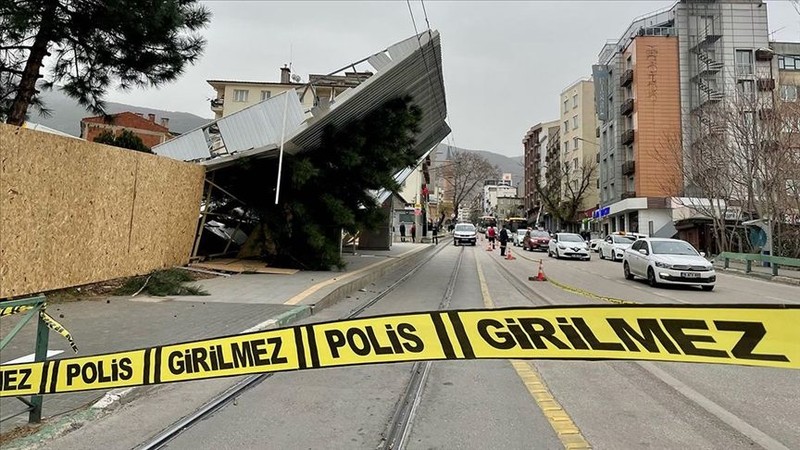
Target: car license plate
[(690, 275)]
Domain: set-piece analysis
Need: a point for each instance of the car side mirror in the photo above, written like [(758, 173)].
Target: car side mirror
[(643, 251), (703, 254)]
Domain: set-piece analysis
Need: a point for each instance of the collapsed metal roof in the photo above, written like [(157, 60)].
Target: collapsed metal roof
[(411, 67)]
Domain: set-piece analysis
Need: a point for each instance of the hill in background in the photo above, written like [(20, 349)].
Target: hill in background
[(505, 164), (67, 114)]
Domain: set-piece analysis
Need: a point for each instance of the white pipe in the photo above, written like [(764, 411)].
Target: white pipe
[(283, 135)]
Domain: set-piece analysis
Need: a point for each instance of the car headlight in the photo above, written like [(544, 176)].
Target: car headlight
[(562, 246), (663, 265)]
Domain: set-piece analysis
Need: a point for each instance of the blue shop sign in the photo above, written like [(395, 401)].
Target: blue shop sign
[(602, 212)]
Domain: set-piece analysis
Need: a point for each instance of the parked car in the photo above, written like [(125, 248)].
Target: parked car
[(614, 245), (518, 237), (465, 233), (668, 261), (568, 245), (594, 243), (538, 240)]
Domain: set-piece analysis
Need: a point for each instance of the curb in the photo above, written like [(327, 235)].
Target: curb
[(761, 276), (371, 274)]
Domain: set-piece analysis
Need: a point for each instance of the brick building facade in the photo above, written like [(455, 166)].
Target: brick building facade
[(150, 132)]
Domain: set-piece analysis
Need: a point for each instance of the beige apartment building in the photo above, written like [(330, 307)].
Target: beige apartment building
[(579, 142), (233, 96)]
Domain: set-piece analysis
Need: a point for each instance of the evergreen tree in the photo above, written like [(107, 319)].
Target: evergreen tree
[(126, 139), (93, 45)]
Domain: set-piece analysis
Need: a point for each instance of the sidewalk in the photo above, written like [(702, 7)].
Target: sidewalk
[(785, 275), (235, 304)]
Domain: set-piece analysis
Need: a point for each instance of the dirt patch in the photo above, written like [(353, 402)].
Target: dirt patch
[(19, 432), (103, 289)]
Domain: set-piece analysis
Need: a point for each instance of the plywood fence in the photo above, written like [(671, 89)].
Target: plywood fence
[(74, 212)]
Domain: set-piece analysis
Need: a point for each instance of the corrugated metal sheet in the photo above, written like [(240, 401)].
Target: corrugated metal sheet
[(411, 67), (401, 176), (260, 125), (186, 147)]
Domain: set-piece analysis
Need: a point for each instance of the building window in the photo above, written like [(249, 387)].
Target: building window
[(789, 93), (566, 105), (745, 89), (566, 126), (240, 95), (575, 143), (265, 95), (574, 163), (744, 63), (566, 146), (574, 101), (789, 62), (574, 122)]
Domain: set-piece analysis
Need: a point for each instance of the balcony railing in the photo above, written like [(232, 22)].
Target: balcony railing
[(766, 84), (628, 194), (626, 78), (626, 108), (628, 167), (628, 137), (217, 103)]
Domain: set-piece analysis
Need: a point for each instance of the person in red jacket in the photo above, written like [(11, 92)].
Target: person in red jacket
[(491, 234), (413, 233)]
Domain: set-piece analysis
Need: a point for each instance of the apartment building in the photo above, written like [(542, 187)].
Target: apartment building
[(534, 146), (147, 129), (652, 88), (494, 189), (579, 145), (320, 91)]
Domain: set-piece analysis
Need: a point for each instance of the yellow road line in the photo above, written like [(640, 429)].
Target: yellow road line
[(302, 296), (583, 292), (566, 430)]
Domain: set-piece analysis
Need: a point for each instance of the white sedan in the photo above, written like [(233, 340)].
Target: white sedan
[(568, 245), (668, 261), (518, 237), (614, 245)]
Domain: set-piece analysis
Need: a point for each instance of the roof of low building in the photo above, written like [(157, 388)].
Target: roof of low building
[(127, 119)]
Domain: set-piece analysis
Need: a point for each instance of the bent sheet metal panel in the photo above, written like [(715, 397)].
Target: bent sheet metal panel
[(410, 67)]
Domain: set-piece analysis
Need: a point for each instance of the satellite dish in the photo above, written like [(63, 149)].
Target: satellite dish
[(295, 78)]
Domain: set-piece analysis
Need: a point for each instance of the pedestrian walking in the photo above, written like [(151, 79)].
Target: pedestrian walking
[(435, 233), (402, 232), (503, 240), (491, 234), (413, 232)]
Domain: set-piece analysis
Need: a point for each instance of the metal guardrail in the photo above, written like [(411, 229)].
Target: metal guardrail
[(37, 304), (774, 261)]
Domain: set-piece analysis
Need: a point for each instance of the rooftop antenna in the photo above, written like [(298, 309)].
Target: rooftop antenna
[(283, 131)]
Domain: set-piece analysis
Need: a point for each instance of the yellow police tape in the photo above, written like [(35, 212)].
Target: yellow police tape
[(589, 294), (47, 318), (751, 335)]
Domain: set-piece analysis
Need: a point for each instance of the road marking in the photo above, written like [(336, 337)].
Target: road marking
[(303, 295), (566, 430), (30, 358)]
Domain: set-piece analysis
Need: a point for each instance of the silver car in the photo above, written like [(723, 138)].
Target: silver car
[(568, 245), (465, 233), (668, 261)]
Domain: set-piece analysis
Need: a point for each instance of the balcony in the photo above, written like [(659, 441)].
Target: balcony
[(628, 137), (626, 108), (764, 54), (628, 194), (628, 167), (626, 78), (766, 84), (216, 104)]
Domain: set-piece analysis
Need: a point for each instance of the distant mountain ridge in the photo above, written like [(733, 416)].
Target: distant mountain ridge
[(67, 114), (505, 164)]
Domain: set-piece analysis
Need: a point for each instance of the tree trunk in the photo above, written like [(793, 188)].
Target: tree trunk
[(31, 74)]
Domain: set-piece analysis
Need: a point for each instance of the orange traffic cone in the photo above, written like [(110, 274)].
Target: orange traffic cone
[(540, 276), (509, 256)]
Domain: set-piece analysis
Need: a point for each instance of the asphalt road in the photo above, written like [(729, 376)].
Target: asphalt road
[(542, 404)]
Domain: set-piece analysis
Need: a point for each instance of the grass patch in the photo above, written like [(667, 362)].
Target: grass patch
[(161, 283)]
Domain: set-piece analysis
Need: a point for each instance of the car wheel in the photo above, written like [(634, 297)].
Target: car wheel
[(627, 270), (557, 255), (707, 288), (601, 254), (613, 256), (651, 277), (455, 243), (549, 253)]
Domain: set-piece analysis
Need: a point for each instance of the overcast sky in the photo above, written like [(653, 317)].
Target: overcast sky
[(504, 63)]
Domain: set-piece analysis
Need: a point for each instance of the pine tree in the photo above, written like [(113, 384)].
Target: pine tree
[(94, 45)]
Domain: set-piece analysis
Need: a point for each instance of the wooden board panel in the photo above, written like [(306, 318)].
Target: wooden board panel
[(74, 212), (242, 266)]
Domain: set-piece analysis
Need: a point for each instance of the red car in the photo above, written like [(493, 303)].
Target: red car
[(539, 240)]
